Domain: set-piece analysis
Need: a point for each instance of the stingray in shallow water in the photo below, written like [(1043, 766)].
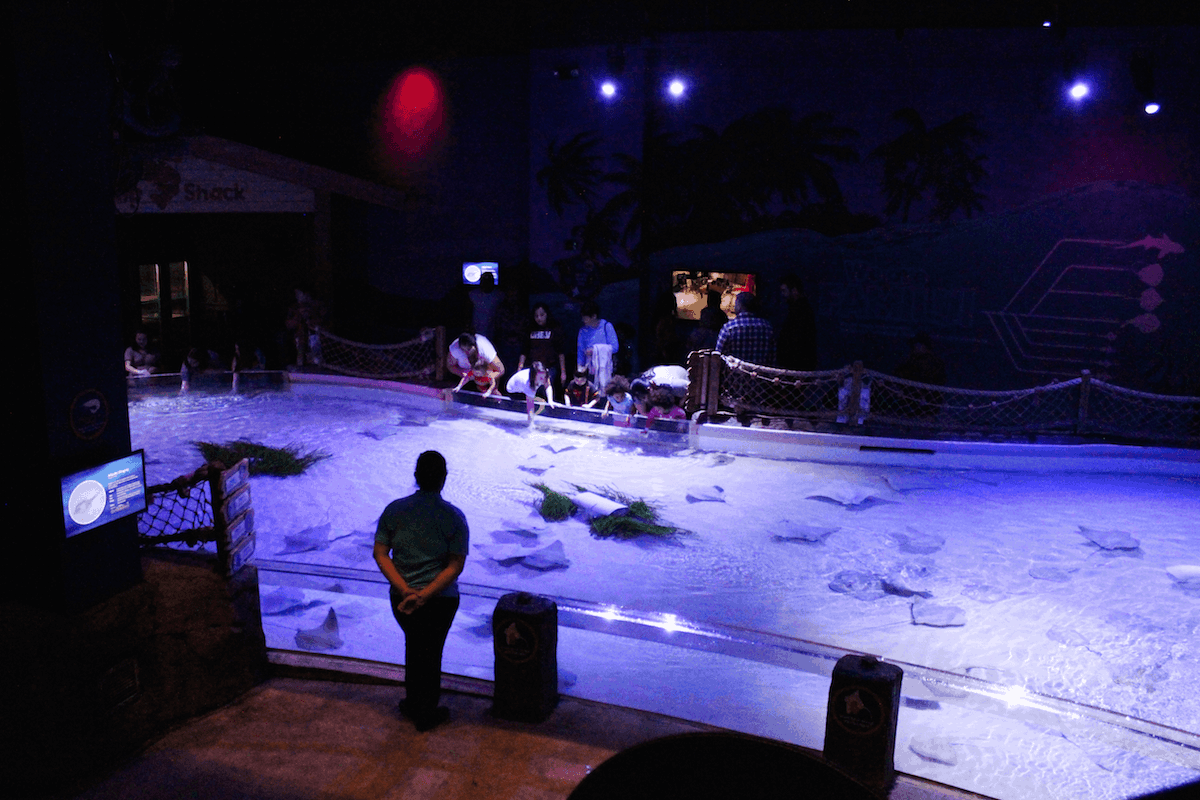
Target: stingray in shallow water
[(1053, 574), (862, 585), (314, 538), (1186, 578), (286, 600), (938, 616), (1109, 540), (853, 495), (805, 534), (552, 556), (702, 494), (984, 593), (919, 542), (323, 637), (938, 749)]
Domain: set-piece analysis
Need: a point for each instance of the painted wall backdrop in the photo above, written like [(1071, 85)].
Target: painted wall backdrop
[(952, 186)]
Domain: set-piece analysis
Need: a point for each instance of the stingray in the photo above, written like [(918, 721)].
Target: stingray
[(1069, 637), (357, 610), (1054, 574), (920, 703), (918, 542), (547, 558), (1186, 578), (806, 534), (552, 556), (938, 749), (1109, 540), (1112, 758), (984, 593), (315, 538), (286, 600), (938, 616), (380, 432), (894, 585), (862, 585), (852, 495), (702, 494), (323, 637)]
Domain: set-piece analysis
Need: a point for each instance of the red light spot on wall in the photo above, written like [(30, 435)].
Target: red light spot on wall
[(412, 118)]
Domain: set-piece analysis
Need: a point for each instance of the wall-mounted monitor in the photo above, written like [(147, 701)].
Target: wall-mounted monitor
[(473, 272), (693, 288), (104, 493)]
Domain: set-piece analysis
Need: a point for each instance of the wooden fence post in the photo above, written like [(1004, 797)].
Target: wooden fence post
[(1085, 391), (439, 351), (854, 401)]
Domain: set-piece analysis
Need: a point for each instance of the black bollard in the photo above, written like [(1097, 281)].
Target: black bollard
[(860, 721), (525, 636)]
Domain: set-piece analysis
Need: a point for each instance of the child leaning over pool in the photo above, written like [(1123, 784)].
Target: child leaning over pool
[(580, 392), (620, 401), (528, 382), (484, 377), (663, 405)]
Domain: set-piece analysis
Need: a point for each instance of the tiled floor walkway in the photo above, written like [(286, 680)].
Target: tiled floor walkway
[(292, 738)]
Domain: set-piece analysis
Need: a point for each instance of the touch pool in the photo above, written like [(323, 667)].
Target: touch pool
[(1047, 621)]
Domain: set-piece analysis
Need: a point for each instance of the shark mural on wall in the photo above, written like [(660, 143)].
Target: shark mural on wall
[(1071, 309)]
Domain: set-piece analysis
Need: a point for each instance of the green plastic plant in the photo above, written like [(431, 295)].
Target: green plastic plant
[(555, 506), (264, 460)]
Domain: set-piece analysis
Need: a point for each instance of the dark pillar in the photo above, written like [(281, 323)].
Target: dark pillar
[(66, 408)]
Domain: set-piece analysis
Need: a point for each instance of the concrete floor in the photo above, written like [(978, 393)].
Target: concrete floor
[(298, 737)]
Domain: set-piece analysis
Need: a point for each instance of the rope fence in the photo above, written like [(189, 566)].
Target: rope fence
[(1082, 406), (210, 505), (423, 357)]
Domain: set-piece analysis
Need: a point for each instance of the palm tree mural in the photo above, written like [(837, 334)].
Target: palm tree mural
[(573, 172), (713, 185), (765, 170), (942, 160)]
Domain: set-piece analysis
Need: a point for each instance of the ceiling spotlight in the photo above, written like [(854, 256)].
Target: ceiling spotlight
[(608, 89), (1152, 108), (1046, 24), (676, 87), (1079, 90)]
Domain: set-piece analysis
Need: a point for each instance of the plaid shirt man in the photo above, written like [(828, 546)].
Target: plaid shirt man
[(748, 337)]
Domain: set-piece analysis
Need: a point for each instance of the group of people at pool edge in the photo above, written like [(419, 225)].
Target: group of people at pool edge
[(594, 382)]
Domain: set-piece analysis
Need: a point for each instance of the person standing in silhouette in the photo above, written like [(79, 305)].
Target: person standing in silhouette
[(421, 547)]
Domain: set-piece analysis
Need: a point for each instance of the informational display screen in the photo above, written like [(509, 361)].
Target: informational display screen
[(101, 494), (473, 271)]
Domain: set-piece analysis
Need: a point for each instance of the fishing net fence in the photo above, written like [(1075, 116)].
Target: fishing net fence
[(208, 506), (1079, 406), (417, 358)]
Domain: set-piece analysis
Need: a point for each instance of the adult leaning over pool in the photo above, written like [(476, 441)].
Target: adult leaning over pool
[(421, 547), (469, 348)]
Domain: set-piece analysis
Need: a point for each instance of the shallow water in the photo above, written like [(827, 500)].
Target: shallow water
[(1041, 606)]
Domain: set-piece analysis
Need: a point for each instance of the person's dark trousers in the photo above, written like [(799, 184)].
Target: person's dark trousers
[(424, 637)]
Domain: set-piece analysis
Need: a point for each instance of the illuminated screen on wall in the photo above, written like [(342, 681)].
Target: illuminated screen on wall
[(104, 493), (692, 289), (473, 271)]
